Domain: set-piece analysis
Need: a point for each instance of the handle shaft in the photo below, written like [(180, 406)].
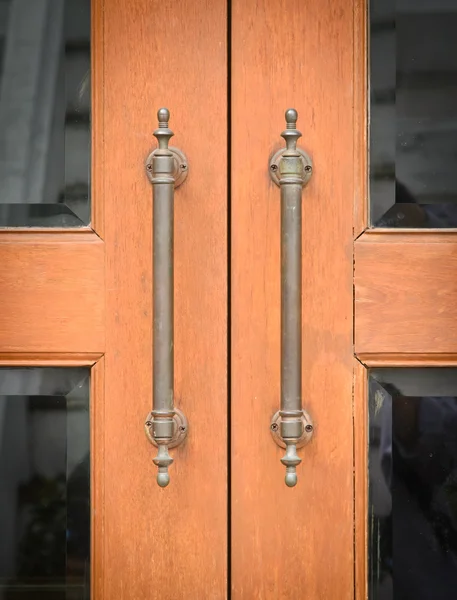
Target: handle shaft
[(163, 215), (291, 296)]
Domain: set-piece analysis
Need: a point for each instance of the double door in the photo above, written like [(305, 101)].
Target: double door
[(77, 304)]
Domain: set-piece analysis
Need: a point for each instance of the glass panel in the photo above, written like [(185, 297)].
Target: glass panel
[(44, 113), (413, 106), (44, 484), (413, 484)]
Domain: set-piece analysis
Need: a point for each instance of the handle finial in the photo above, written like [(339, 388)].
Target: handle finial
[(163, 460), (291, 133), (163, 133), (163, 116), (291, 118), (291, 460)]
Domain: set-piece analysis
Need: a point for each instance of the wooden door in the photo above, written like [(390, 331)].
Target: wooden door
[(298, 542), (80, 297), (404, 284)]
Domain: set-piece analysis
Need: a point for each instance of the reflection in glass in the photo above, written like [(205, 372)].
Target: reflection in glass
[(413, 484), (44, 113), (413, 106), (44, 484)]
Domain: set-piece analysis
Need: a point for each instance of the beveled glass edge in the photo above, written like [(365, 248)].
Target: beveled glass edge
[(65, 378)]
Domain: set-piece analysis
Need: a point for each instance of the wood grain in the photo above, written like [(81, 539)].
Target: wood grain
[(52, 293), (361, 479), (405, 289), (292, 543), (165, 543)]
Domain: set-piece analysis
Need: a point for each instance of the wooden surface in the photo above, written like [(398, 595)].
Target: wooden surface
[(292, 543), (51, 289), (405, 291), (165, 543)]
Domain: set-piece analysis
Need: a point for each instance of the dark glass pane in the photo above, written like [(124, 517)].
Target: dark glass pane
[(413, 484), (44, 113), (44, 484), (413, 106)]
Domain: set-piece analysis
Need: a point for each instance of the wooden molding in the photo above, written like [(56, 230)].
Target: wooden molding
[(48, 359), (361, 480), (392, 359), (361, 187), (97, 483), (97, 121), (408, 236), (49, 234)]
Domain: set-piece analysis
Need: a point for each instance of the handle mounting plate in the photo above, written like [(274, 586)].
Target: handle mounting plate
[(180, 427), (308, 430), (181, 167), (273, 165)]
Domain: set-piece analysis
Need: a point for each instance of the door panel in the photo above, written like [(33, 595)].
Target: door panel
[(52, 287), (287, 543), (404, 308), (172, 542), (403, 281)]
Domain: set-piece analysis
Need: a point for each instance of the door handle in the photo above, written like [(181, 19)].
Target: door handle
[(166, 426), (291, 169)]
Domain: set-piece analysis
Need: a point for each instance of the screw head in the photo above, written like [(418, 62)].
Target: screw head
[(273, 167), (149, 167), (148, 423), (274, 427), (183, 166), (308, 168), (308, 428), (182, 429)]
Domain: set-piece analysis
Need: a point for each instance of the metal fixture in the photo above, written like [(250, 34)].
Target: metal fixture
[(291, 169), (166, 427)]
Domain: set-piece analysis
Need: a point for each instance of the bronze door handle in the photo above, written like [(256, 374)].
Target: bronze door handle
[(291, 169), (165, 426)]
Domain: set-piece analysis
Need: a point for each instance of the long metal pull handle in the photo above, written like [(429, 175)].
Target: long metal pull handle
[(165, 426), (291, 169)]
